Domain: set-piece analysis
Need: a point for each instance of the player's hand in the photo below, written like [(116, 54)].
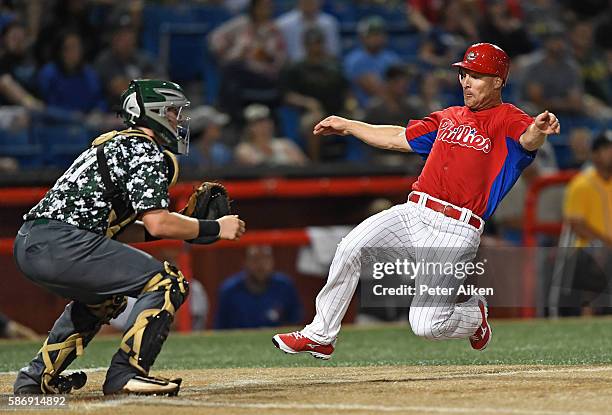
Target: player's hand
[(547, 123), (333, 125), (231, 227)]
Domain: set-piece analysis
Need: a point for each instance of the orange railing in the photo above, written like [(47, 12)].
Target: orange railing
[(532, 227), (252, 189)]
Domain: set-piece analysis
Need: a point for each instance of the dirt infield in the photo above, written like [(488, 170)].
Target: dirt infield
[(483, 390)]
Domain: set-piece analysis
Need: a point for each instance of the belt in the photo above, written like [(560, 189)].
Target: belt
[(446, 210), (40, 221)]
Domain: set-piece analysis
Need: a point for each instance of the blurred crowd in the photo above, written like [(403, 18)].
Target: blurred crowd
[(261, 73)]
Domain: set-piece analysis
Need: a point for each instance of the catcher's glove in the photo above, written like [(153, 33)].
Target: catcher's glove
[(209, 201)]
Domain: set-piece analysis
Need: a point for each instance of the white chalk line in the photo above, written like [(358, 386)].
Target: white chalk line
[(178, 402)]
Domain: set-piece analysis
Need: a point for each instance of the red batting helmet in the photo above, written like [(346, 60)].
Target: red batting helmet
[(486, 58)]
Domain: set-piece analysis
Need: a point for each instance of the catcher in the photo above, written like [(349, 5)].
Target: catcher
[(73, 244)]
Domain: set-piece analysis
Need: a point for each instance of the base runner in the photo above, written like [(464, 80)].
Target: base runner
[(474, 155)]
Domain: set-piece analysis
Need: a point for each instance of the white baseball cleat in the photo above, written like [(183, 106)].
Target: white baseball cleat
[(149, 385), (482, 336)]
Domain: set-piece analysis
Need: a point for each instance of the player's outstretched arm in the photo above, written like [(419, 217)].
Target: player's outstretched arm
[(163, 224), (388, 137), (544, 125)]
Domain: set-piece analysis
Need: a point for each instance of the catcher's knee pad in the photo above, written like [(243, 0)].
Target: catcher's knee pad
[(143, 341), (109, 309)]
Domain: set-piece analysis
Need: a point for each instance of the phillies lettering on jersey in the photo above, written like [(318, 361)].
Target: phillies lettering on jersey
[(464, 135), (473, 157)]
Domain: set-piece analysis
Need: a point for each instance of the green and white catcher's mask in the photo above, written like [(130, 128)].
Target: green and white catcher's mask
[(158, 105)]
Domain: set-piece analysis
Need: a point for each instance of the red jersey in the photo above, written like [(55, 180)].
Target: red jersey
[(473, 158)]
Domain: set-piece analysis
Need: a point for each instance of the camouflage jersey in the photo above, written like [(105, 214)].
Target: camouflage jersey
[(137, 168)]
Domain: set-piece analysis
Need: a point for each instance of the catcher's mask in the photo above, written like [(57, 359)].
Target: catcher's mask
[(158, 105)]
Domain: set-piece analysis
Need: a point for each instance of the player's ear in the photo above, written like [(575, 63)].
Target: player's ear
[(499, 83)]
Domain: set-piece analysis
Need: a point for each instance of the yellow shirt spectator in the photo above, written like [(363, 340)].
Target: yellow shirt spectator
[(589, 198)]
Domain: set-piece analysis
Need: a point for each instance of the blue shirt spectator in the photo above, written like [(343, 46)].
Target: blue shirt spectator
[(308, 15), (365, 67), (216, 155), (74, 92), (68, 83), (206, 149), (258, 296), (359, 63)]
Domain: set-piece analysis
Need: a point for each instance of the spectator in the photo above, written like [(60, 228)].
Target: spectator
[(366, 65), (580, 145), (68, 82), (425, 14), (588, 200), (591, 61), (583, 274), (260, 147), (258, 296), (499, 27), (552, 79), (66, 15), (8, 165), (308, 15), (445, 42), (206, 150), (17, 62), (121, 62), (316, 85), (17, 74), (394, 108), (539, 15), (422, 14), (16, 69), (429, 98), (251, 52)]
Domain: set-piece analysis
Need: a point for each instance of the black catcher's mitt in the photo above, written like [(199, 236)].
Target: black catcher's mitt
[(209, 201)]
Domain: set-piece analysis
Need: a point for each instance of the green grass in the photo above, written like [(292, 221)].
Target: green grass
[(562, 342)]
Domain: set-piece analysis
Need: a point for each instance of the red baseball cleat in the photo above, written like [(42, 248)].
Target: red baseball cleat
[(481, 338), (296, 342)]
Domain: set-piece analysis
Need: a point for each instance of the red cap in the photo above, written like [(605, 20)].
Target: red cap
[(486, 58)]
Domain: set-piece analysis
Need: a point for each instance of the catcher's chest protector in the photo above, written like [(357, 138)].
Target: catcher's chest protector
[(122, 214)]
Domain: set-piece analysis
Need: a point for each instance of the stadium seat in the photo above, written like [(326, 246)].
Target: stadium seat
[(61, 143), (347, 12), (182, 44), (182, 50), (19, 146), (406, 44), (155, 16)]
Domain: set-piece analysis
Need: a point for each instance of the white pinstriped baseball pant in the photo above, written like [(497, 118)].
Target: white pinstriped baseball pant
[(432, 237)]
